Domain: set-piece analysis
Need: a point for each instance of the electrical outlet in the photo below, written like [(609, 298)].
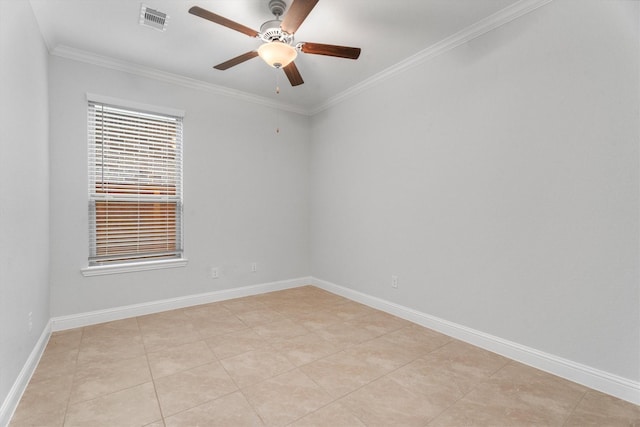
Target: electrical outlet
[(394, 282), (30, 321), (254, 267), (214, 273)]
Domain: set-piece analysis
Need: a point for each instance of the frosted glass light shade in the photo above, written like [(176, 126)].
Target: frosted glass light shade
[(277, 54)]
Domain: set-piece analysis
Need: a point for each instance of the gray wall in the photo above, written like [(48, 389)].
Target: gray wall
[(245, 191), (499, 182), (24, 189)]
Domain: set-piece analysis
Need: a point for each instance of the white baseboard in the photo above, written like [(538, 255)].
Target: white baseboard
[(596, 379), (10, 403), (100, 316)]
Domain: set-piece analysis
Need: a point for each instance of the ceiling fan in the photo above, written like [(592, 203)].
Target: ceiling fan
[(278, 49)]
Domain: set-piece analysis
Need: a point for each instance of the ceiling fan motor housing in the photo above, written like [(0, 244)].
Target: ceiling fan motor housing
[(270, 31)]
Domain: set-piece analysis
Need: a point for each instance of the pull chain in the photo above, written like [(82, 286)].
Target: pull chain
[(277, 71)]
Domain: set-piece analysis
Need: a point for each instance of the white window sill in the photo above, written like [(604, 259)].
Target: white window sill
[(131, 267)]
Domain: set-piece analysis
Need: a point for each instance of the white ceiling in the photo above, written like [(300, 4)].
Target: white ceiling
[(387, 31)]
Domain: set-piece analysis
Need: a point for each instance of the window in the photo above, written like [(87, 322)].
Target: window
[(135, 186)]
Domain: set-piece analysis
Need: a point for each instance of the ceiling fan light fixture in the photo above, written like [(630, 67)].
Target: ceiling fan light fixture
[(277, 54)]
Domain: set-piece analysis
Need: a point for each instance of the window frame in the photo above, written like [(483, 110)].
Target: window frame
[(93, 269)]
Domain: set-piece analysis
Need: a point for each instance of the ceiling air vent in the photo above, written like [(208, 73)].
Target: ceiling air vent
[(153, 18)]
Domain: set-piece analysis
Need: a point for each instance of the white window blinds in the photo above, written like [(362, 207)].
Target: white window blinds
[(135, 185)]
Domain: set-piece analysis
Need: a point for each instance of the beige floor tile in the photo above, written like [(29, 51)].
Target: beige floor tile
[(416, 339), (227, 411), (316, 319), (341, 373), (112, 337), (283, 302), (380, 323), (382, 353), (303, 295), (134, 406), (598, 409), (279, 330), (54, 418), (44, 402), (286, 397), (344, 334), (259, 316), (101, 347), (515, 395), (218, 326), (256, 365), (205, 312), (162, 320), (120, 328), (180, 358), (53, 364), (456, 367), (165, 338), (282, 295), (305, 348), (292, 310), (95, 379), (473, 413), (187, 389), (242, 305), (437, 388), (384, 403), (320, 298), (64, 341), (334, 415), (351, 310), (234, 343), (158, 423)]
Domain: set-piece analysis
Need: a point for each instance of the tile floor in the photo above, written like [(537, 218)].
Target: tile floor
[(300, 357)]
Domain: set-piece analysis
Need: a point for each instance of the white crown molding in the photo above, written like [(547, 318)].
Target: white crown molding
[(498, 19), (588, 376), (10, 404), (67, 52), (473, 31)]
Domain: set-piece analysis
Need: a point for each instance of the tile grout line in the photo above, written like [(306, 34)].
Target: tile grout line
[(238, 388), (73, 380), (153, 380), (572, 411), (251, 405)]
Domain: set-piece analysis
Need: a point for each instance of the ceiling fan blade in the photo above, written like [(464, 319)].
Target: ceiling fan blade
[(203, 13), (293, 74), (331, 50), (296, 14), (237, 60)]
